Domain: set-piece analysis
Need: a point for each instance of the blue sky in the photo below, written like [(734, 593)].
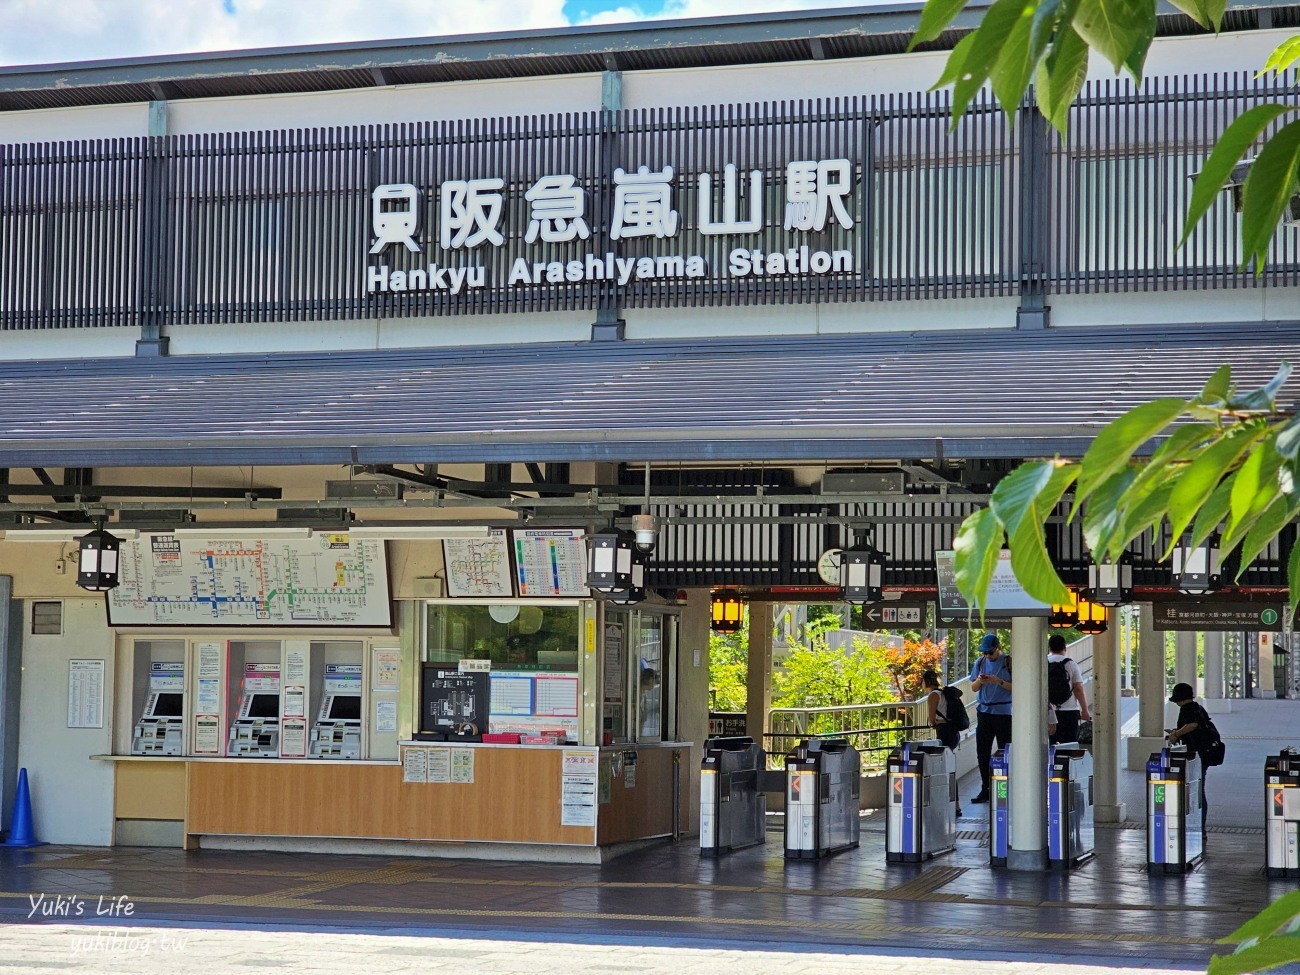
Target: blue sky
[(45, 31)]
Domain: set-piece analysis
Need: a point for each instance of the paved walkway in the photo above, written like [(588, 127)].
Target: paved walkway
[(666, 908)]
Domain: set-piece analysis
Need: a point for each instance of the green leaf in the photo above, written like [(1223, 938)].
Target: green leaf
[(1105, 513), (936, 15), (1262, 398), (1119, 30), (1287, 443), (1287, 53), (1218, 386), (955, 66), (1117, 441), (1033, 567), (976, 549), (1202, 477), (1013, 499), (1253, 490), (1212, 512), (1144, 515), (1292, 603), (1015, 65), (1271, 919), (1266, 527), (1264, 955), (1061, 76), (1274, 178), (1207, 13), (994, 33), (1237, 138), (1182, 445)]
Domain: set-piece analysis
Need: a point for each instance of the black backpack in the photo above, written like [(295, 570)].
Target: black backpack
[(1210, 743), (1059, 686), (954, 711)]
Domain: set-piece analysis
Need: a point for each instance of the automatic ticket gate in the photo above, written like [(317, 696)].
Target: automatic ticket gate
[(1282, 814), (733, 812), (1069, 807), (921, 818), (823, 780), (1175, 840)]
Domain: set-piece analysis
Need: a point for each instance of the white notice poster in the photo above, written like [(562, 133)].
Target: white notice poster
[(462, 765), (578, 797), (385, 716), (551, 562), (439, 765), (207, 734), (295, 667), (85, 694), (295, 702), (415, 765), (386, 670), (209, 696), (293, 738), (210, 661)]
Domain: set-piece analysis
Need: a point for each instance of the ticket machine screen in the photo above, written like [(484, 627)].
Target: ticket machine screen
[(264, 706), (345, 708), (168, 705)]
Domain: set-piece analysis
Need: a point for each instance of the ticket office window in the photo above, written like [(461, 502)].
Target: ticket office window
[(515, 637), (651, 675)]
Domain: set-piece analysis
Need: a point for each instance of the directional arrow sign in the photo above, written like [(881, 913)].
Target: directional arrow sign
[(899, 614)]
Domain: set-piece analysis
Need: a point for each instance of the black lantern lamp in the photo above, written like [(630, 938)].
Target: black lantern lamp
[(1198, 571), (862, 573), (1065, 615), (727, 611), (635, 592), (1092, 617), (1111, 583), (609, 561), (98, 561)]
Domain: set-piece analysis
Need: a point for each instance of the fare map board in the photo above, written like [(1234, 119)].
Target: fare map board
[(325, 580)]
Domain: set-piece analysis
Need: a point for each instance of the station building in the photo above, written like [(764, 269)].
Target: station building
[(353, 348)]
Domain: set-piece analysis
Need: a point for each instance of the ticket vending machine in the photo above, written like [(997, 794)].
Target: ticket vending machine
[(823, 783), (255, 732), (921, 818), (1282, 814), (733, 812), (999, 806), (160, 728), (1175, 841), (337, 733)]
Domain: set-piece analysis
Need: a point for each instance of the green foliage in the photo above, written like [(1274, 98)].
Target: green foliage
[(1267, 940), (814, 675), (729, 669), (1047, 42)]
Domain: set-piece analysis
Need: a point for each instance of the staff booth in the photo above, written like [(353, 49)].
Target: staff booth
[(440, 723)]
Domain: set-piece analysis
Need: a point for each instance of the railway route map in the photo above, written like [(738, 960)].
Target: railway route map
[(478, 566), (325, 580)]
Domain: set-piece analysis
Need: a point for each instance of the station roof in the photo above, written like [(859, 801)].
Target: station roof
[(970, 394), (704, 42)]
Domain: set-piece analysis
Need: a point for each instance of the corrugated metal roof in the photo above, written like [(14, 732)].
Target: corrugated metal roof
[(985, 394), (747, 39)]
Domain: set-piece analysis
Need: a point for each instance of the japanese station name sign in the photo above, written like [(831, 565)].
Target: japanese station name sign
[(1218, 616), (471, 215)]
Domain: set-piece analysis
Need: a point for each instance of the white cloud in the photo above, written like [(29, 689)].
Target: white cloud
[(45, 31)]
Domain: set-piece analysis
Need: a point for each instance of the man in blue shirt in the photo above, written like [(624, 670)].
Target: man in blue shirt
[(991, 681)]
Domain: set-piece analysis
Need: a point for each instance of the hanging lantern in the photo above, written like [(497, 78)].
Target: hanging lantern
[(1065, 615), (97, 565), (635, 592), (1111, 583), (862, 573), (609, 561), (1198, 571), (1092, 617), (727, 611)]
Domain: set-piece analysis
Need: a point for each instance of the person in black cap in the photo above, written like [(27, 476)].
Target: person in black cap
[(1193, 731), (991, 681)]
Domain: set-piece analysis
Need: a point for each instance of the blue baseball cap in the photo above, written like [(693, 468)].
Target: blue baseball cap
[(989, 643)]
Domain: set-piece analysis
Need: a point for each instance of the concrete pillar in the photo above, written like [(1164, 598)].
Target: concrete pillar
[(758, 686), (1106, 723), (693, 697), (1152, 692), (1185, 659), (1215, 693), (1028, 771)]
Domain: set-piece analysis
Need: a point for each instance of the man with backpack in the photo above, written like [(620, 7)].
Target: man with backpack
[(991, 681), (945, 712), (1065, 692)]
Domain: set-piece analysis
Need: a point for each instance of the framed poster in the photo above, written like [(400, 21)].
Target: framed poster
[(478, 566), (551, 561), (85, 693)]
